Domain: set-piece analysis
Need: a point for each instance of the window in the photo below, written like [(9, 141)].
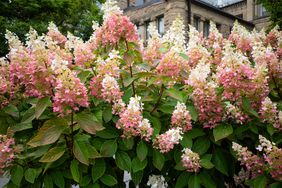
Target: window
[(196, 22), (261, 11), (206, 28), (240, 16), (139, 2), (160, 22), (218, 26), (147, 30), (139, 31)]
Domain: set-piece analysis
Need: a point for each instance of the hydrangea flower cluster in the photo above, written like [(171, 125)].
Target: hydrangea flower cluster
[(166, 141), (7, 152), (132, 121), (110, 89), (115, 27), (181, 117), (157, 181), (190, 160), (269, 113), (70, 94), (253, 163), (272, 156)]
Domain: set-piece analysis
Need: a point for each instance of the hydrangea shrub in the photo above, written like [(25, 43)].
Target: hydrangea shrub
[(202, 113)]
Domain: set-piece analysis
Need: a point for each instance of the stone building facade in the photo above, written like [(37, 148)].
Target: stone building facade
[(251, 11), (163, 12)]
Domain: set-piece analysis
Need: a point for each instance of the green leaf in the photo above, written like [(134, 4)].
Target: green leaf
[(138, 165), (48, 183), (28, 115), (137, 177), (182, 180), (49, 132), (201, 145), (75, 170), (260, 182), (194, 181), (195, 132), (186, 141), (141, 150), (17, 173), (109, 148), (184, 56), (12, 110), (206, 163), (123, 161), (276, 185), (220, 161), (21, 127), (206, 180), (176, 94), (98, 169), (179, 166), (222, 131), (158, 160), (246, 105), (41, 105), (128, 81), (58, 179), (108, 180), (53, 154), (88, 122), (193, 112), (80, 148), (31, 174), (83, 75), (107, 115), (108, 133)]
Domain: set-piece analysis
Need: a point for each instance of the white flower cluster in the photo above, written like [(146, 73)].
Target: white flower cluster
[(73, 42), (175, 135), (14, 42), (265, 145), (58, 65), (145, 124), (109, 83), (233, 112), (190, 155), (199, 74), (110, 7), (135, 104), (157, 181), (176, 34), (152, 29)]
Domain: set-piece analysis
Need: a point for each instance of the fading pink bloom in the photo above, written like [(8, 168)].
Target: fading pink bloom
[(269, 113), (171, 64), (110, 89), (181, 117), (131, 120), (166, 141), (70, 94), (55, 34), (190, 160), (115, 28), (7, 152), (252, 162), (273, 157)]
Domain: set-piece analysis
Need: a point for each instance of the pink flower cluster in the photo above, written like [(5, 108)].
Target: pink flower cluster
[(171, 64), (269, 113), (166, 141), (241, 38), (253, 163), (115, 28), (181, 117), (272, 156), (190, 160), (110, 89), (132, 121), (70, 94), (7, 152)]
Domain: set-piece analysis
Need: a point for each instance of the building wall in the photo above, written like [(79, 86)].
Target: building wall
[(237, 9), (170, 9)]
